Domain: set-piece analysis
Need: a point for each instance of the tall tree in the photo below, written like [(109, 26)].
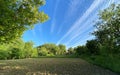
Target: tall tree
[(80, 50), (108, 28), (28, 48), (16, 16), (62, 49), (92, 47)]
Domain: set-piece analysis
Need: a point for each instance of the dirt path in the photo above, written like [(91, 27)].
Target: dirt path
[(50, 66)]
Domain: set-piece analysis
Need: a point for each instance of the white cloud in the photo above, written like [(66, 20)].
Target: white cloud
[(83, 29), (77, 24), (53, 25), (76, 37), (83, 24), (54, 14), (72, 9), (82, 42)]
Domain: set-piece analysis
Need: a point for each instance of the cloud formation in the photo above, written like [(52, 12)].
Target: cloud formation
[(53, 23), (77, 24), (84, 23)]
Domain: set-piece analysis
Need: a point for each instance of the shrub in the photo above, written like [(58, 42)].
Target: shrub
[(15, 53), (80, 50), (93, 47), (42, 51), (34, 53), (4, 54)]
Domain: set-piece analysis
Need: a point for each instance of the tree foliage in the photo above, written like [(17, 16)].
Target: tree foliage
[(62, 49), (108, 28), (17, 49), (42, 51), (80, 50), (70, 51), (18, 16), (92, 47), (51, 50)]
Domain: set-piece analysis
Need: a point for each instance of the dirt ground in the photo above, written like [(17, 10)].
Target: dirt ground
[(51, 66)]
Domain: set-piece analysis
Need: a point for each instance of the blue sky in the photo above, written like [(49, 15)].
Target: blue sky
[(70, 23)]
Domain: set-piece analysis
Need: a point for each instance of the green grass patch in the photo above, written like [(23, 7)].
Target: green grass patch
[(110, 62)]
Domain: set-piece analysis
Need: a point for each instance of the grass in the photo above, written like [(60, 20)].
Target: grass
[(51, 66), (108, 62)]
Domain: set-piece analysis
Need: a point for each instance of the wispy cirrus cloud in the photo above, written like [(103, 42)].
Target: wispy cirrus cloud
[(82, 42), (77, 24), (53, 23), (72, 9), (85, 35), (84, 29)]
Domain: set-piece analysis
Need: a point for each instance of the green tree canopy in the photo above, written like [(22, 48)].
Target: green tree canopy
[(51, 49), (16, 16), (93, 47), (62, 49), (108, 28)]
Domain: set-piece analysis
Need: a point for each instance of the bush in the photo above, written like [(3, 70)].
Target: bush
[(51, 54), (4, 54), (42, 51), (34, 53), (110, 62), (80, 50), (93, 47), (15, 53), (70, 51)]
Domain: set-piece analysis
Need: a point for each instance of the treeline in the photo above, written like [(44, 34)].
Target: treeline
[(17, 49), (51, 50)]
